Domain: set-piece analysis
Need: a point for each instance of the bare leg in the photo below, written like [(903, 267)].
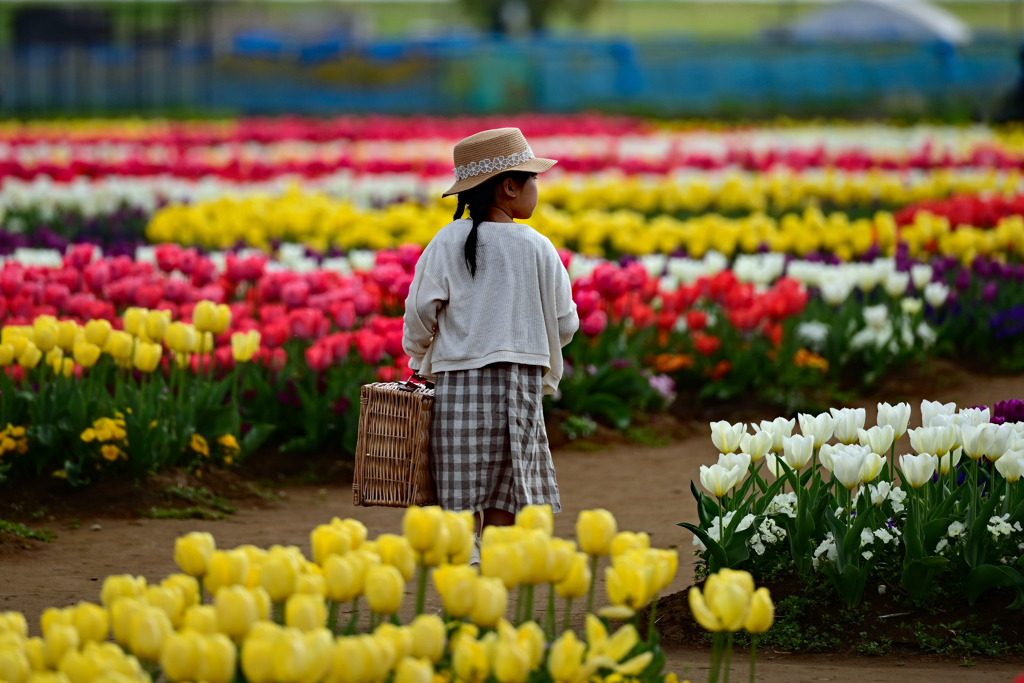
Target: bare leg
[(493, 517)]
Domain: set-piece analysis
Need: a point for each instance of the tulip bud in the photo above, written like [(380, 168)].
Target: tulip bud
[(595, 530), (180, 658), (44, 335), (341, 581), (86, 354), (226, 568), (201, 619), (576, 583), (244, 345), (489, 603), (412, 670), (566, 658), (169, 599), (14, 665), (470, 661), (157, 324), (188, 586), (278, 575), (97, 331), (258, 659), (460, 535), (353, 661), (217, 659), (149, 627), (627, 540), (384, 587), (762, 612), (329, 539), (536, 517), (456, 584), (59, 639), (422, 526), (313, 584), (35, 650), (119, 345), (121, 586), (397, 551), (92, 622), (121, 614), (52, 616), (204, 316), (305, 612), (147, 356), (630, 581), (6, 355), (428, 635), (30, 357), (236, 611), (13, 622), (289, 655), (181, 338)]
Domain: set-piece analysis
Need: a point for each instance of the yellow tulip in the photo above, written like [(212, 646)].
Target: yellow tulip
[(511, 663), (217, 659), (192, 552), (566, 658), (397, 551), (121, 586), (504, 561), (201, 619), (340, 576), (97, 331), (536, 549), (204, 316), (537, 517), (576, 583), (456, 584), (13, 622), (119, 345), (149, 627), (14, 666), (329, 539), (385, 588), (169, 599), (428, 637), (627, 540), (319, 648), (353, 661), (595, 530), (422, 526), (313, 584), (135, 321), (460, 535), (86, 354), (53, 616), (59, 639), (181, 338), (226, 568), (440, 551), (67, 330), (236, 611), (489, 602), (279, 573), (179, 659), (6, 355), (121, 614), (157, 324), (147, 356), (724, 603), (289, 655), (78, 667), (188, 587), (762, 612), (561, 554), (383, 656), (631, 580), (400, 637), (44, 334), (244, 345), (258, 660), (92, 622), (470, 662), (305, 612), (413, 670), (356, 529), (30, 357)]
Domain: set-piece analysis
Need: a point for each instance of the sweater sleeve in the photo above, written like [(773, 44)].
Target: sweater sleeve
[(565, 307), (426, 297)]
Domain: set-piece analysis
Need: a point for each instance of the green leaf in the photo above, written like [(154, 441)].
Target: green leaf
[(255, 438), (718, 557), (989, 576)]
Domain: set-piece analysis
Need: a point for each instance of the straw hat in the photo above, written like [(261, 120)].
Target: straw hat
[(491, 152)]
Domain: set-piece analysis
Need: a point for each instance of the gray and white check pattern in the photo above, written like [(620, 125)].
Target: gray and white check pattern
[(488, 443)]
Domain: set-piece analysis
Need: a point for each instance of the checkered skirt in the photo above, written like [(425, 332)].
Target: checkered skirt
[(488, 444)]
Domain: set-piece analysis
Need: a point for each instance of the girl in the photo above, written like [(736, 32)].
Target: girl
[(488, 312)]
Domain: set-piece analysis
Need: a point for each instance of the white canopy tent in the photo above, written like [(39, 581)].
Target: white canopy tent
[(880, 21)]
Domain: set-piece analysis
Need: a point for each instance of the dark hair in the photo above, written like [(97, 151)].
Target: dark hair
[(479, 200)]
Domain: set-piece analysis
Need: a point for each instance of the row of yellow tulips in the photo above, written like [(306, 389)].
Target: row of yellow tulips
[(322, 222)]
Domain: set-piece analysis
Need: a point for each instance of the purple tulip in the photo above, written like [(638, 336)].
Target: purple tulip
[(963, 279), (1011, 410), (989, 291)]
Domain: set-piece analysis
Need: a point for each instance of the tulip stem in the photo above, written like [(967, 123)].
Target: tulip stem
[(549, 622), (354, 619), (728, 658), (279, 613), (716, 657), (529, 604), (593, 584), (332, 616), (567, 619), (519, 605), (421, 586), (650, 621), (753, 656)]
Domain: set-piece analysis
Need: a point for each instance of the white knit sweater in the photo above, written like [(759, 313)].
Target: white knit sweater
[(518, 308)]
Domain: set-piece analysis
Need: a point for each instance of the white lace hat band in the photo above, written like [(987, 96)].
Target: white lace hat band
[(484, 155)]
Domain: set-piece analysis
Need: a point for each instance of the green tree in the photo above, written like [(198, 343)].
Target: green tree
[(511, 16)]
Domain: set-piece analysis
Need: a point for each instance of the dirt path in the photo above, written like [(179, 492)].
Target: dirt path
[(646, 488)]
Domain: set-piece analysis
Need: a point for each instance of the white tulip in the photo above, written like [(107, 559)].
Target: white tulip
[(797, 451), (997, 440), (780, 428), (825, 455), (935, 440), (873, 464), (930, 409), (973, 416), (897, 417), (972, 438), (727, 436), (819, 426), (756, 445), (936, 293), (950, 460), (918, 469), (717, 479), (879, 438), (847, 423), (921, 274), (846, 467), (910, 306), (1010, 465), (835, 291), (772, 464), (876, 316), (732, 461), (896, 284)]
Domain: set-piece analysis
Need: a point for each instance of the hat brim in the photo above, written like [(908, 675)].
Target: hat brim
[(531, 166)]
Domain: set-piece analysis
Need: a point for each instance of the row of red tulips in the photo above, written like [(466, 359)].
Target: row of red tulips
[(967, 209)]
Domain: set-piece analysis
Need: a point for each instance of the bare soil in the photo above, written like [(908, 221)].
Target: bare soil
[(100, 530)]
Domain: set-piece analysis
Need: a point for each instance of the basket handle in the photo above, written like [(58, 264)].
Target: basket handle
[(415, 382)]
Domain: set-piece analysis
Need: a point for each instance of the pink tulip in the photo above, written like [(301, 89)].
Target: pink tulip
[(595, 323)]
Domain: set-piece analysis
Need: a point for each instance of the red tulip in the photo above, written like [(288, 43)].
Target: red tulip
[(587, 300), (344, 314), (168, 257), (365, 303), (706, 344), (224, 357), (56, 295), (369, 345), (409, 255), (393, 343), (275, 334), (339, 343), (696, 320), (80, 256), (307, 323), (203, 271), (294, 294), (642, 315), (177, 290), (97, 275), (667, 320), (387, 374), (168, 306), (187, 259), (595, 323), (271, 312), (319, 357), (148, 296)]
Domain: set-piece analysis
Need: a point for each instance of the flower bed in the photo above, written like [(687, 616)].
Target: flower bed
[(942, 520), (266, 616)]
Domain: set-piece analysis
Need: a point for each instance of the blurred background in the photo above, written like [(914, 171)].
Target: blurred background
[(954, 60)]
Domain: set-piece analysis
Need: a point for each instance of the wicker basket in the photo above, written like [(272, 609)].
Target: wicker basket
[(392, 467)]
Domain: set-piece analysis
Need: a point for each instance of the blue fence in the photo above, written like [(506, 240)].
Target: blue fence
[(266, 75)]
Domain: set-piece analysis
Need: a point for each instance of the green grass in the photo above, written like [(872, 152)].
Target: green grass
[(201, 496), (191, 512), (19, 530)]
